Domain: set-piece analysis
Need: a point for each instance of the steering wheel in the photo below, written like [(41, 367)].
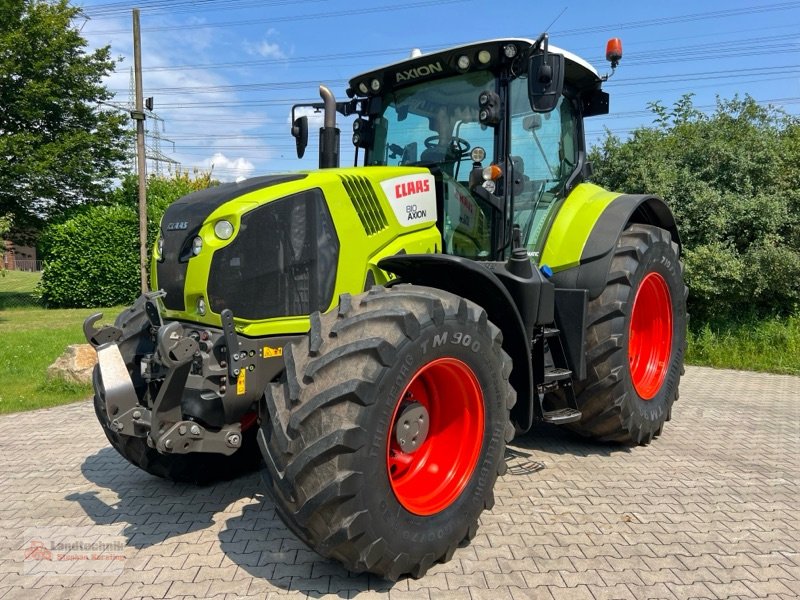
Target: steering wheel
[(456, 142)]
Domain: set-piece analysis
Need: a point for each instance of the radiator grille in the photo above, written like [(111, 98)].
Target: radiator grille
[(366, 203)]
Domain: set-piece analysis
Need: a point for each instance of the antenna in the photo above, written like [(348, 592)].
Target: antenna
[(553, 22)]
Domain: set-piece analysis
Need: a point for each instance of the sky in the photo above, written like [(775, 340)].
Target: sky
[(224, 73)]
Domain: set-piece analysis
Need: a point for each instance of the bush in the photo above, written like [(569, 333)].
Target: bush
[(92, 258), (733, 183)]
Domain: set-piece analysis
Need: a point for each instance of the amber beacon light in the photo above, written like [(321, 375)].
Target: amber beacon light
[(614, 51)]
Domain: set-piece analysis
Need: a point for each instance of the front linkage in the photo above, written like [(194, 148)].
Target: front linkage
[(183, 389)]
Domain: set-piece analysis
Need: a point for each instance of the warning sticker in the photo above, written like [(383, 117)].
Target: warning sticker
[(240, 383), (270, 352)]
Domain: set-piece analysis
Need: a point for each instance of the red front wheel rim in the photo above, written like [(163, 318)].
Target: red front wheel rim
[(429, 478), (650, 336)]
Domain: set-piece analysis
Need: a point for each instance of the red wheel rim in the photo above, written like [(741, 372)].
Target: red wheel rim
[(432, 477), (650, 336)]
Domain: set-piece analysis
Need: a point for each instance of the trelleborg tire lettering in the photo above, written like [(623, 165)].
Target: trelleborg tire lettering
[(327, 433)]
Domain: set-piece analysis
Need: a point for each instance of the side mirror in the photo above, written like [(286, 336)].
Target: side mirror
[(300, 134), (545, 80)]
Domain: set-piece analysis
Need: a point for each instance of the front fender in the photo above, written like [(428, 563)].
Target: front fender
[(581, 242), (471, 280)]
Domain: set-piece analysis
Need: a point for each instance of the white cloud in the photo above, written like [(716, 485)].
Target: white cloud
[(226, 169), (204, 121), (270, 50)]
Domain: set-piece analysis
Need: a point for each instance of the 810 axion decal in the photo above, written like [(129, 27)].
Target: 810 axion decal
[(413, 198)]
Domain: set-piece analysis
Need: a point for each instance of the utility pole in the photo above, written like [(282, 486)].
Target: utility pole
[(138, 115)]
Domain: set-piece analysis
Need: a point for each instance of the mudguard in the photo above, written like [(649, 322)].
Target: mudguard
[(580, 249), (473, 281)]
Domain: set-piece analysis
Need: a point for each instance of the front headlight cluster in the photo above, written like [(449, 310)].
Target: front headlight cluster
[(222, 229)]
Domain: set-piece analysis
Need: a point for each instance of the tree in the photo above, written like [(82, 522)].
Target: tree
[(732, 178), (59, 145), (5, 227), (5, 224)]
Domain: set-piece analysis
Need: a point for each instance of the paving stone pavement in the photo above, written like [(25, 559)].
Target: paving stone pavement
[(709, 510)]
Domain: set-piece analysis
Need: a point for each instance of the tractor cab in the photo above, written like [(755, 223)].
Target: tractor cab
[(506, 148)]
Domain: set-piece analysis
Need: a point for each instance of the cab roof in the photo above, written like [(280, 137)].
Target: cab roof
[(439, 63)]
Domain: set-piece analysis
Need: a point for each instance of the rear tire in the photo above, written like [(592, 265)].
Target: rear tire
[(331, 442), (199, 468), (635, 341)]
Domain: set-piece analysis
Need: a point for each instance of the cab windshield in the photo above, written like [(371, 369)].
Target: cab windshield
[(435, 123)]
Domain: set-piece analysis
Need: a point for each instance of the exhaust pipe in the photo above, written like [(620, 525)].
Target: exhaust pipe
[(328, 134)]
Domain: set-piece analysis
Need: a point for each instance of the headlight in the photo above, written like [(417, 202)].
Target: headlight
[(484, 56), (197, 245), (223, 230), (201, 306), (463, 62), (375, 85), (160, 248)]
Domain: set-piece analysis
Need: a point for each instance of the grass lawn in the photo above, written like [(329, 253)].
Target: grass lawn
[(32, 338), (16, 288), (772, 345)]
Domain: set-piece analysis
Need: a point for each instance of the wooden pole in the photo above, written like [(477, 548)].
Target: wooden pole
[(139, 116)]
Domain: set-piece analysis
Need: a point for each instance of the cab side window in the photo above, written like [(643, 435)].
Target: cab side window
[(544, 154)]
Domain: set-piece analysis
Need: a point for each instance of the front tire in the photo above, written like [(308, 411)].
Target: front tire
[(383, 444), (635, 341)]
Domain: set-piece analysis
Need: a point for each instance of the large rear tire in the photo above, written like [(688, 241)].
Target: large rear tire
[(635, 341), (200, 468), (383, 444)]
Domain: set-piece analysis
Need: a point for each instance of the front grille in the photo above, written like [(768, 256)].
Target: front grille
[(189, 212), (366, 203), (281, 263)]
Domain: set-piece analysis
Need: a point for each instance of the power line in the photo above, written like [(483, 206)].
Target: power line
[(292, 18), (732, 44), (105, 10), (563, 33)]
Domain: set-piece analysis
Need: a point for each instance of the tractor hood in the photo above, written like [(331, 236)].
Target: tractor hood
[(273, 247)]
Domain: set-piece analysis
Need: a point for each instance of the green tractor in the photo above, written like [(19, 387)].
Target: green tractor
[(372, 337)]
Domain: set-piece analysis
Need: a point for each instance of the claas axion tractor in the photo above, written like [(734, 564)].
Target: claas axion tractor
[(373, 336)]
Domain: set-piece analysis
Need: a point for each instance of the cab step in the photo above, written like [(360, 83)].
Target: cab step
[(553, 375), (561, 416)]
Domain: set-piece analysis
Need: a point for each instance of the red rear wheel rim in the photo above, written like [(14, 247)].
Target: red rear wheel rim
[(431, 478), (650, 335)]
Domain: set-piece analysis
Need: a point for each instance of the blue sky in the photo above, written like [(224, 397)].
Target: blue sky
[(224, 73)]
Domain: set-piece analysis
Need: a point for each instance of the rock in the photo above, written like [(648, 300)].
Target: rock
[(75, 365)]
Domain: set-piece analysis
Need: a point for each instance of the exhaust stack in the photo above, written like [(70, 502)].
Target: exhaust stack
[(328, 134)]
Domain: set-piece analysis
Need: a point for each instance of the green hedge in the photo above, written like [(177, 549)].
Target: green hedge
[(92, 259), (732, 179)]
